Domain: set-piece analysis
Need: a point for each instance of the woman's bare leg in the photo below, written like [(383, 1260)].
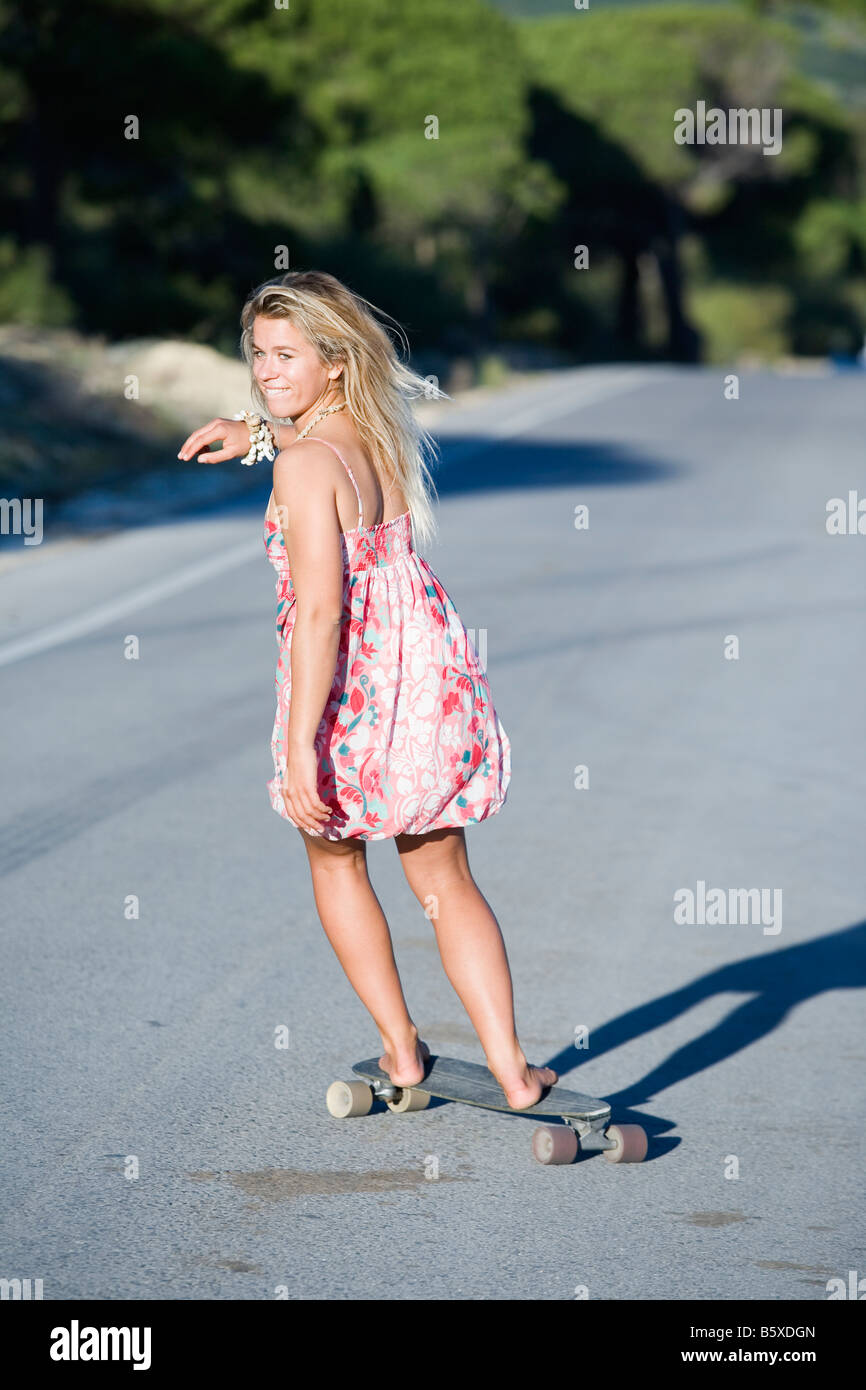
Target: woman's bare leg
[(357, 929), (473, 955)]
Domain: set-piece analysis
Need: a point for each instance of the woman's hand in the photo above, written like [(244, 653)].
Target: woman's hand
[(235, 436), (300, 792)]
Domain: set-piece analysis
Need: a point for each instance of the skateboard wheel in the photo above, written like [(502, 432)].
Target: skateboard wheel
[(346, 1098), (631, 1144), (410, 1099), (554, 1144)]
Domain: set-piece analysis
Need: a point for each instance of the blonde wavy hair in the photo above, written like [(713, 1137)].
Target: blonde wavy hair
[(378, 386)]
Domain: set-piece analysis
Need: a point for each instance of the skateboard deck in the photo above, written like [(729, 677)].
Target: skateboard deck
[(447, 1078), (586, 1120)]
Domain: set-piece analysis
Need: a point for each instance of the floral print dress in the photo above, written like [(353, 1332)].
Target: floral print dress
[(409, 740)]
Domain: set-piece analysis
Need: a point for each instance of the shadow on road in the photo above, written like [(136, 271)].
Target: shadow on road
[(532, 463), (778, 980)]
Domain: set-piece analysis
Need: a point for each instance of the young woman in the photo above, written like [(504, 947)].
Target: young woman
[(385, 726)]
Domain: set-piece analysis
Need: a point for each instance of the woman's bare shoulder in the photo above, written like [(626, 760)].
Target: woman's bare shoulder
[(303, 449)]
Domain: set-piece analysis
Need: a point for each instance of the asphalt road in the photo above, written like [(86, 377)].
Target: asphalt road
[(159, 1144)]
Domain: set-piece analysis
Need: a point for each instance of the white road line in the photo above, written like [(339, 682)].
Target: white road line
[(577, 395), (132, 602)]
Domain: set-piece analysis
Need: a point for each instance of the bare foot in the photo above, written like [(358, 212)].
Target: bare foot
[(525, 1086), (405, 1066)]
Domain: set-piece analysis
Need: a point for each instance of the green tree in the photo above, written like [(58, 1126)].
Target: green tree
[(259, 127), (624, 76)]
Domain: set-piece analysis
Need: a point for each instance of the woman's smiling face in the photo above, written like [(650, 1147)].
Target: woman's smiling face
[(288, 369)]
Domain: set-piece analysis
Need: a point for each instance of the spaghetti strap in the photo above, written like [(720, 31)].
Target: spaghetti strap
[(351, 475)]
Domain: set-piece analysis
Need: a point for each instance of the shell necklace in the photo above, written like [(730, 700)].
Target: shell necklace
[(321, 415)]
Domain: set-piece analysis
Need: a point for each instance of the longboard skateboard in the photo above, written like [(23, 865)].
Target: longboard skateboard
[(586, 1120)]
